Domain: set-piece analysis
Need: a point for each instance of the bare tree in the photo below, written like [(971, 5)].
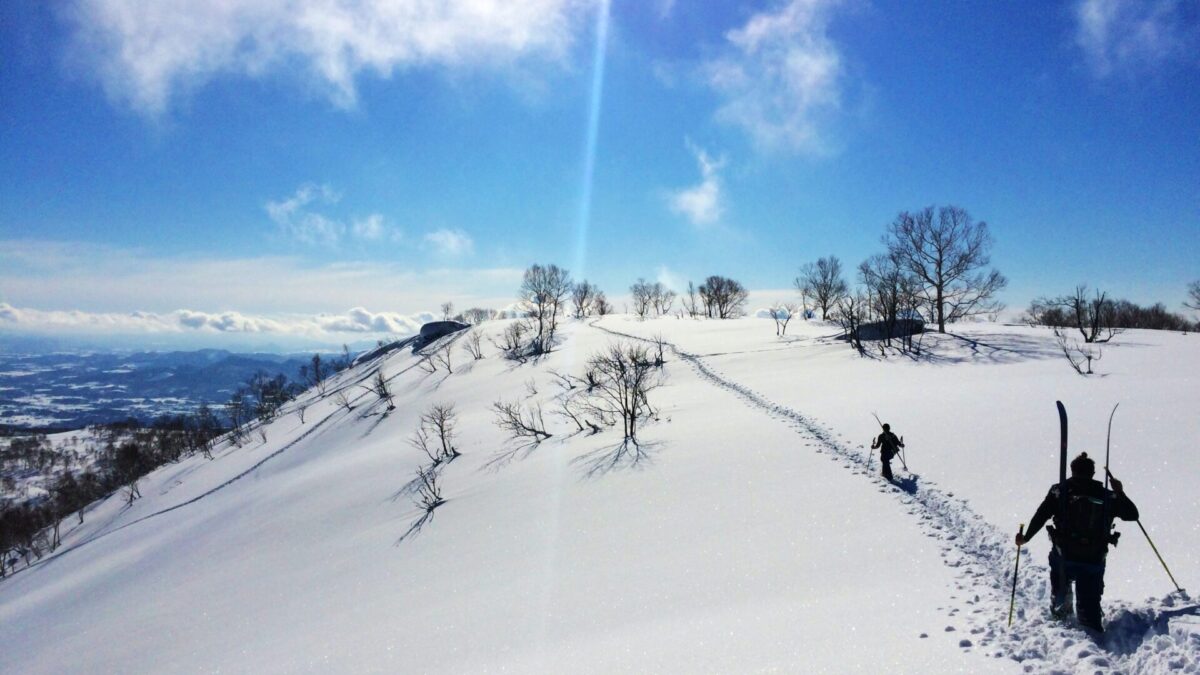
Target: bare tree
[(521, 423), (1077, 354), (642, 296), (851, 311), (723, 298), (343, 400), (892, 297), (802, 287), (947, 255), (473, 343), (512, 341), (1093, 318), (1193, 301), (783, 312), (543, 292), (447, 310), (823, 280), (237, 409), (602, 306), (315, 373), (691, 303), (565, 382), (583, 295), (435, 434), (379, 385), (301, 408), (442, 355), (568, 408), (660, 349), (477, 315), (131, 492), (624, 376), (662, 298)]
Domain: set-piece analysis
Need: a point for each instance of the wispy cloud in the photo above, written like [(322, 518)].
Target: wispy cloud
[(145, 53), (371, 228), (1132, 37), (450, 242), (701, 204), (670, 279), (296, 219), (299, 217), (781, 77)]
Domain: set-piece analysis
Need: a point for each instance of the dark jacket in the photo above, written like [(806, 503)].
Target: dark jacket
[(888, 445), (1074, 545)]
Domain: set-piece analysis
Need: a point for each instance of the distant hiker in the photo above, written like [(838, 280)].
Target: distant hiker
[(888, 446), (1081, 537)]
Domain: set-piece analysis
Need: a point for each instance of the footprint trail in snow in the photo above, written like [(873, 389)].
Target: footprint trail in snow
[(1158, 636)]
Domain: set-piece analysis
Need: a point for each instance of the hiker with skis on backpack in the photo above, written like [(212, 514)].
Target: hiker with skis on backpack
[(1080, 539), (889, 446)]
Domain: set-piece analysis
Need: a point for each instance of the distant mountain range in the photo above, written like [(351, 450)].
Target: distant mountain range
[(69, 390)]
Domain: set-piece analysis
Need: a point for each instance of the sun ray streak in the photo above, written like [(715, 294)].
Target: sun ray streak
[(591, 136)]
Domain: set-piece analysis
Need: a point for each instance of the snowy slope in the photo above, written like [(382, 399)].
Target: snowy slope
[(748, 537)]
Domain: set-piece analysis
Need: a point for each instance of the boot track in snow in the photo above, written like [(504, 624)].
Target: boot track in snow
[(1160, 636)]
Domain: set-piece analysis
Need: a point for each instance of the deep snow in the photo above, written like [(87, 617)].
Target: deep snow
[(749, 536)]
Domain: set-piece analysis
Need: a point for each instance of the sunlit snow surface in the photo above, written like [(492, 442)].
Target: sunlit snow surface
[(749, 534)]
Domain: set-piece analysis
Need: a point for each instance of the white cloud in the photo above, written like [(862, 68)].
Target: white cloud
[(298, 218), (450, 242), (146, 52), (781, 77), (1132, 36), (113, 280), (701, 204), (320, 326), (361, 320)]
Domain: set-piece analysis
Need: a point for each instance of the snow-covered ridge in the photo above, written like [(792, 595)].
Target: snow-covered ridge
[(733, 543)]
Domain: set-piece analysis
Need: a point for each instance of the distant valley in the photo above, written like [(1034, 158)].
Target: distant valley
[(70, 390)]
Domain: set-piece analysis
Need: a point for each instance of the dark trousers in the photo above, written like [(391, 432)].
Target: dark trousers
[(1089, 586), (887, 468)]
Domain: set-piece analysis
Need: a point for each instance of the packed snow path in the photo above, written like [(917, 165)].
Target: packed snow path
[(1156, 637)]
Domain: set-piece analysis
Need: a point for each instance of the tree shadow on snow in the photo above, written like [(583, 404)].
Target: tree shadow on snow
[(379, 418), (416, 527), (996, 348), (504, 457), (624, 455)]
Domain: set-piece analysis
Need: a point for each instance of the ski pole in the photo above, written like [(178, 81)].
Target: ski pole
[(901, 453), (1012, 600), (1160, 558), (1151, 542)]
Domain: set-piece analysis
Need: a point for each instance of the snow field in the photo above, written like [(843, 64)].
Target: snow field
[(749, 536)]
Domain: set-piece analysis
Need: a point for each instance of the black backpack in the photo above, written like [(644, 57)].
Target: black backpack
[(889, 445), (1086, 526)]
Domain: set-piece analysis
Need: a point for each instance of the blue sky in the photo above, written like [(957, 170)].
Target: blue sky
[(269, 166)]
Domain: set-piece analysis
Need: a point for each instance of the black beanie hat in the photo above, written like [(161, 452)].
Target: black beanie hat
[(1083, 464)]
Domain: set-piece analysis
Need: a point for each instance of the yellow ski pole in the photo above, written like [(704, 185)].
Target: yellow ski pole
[(1012, 600)]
